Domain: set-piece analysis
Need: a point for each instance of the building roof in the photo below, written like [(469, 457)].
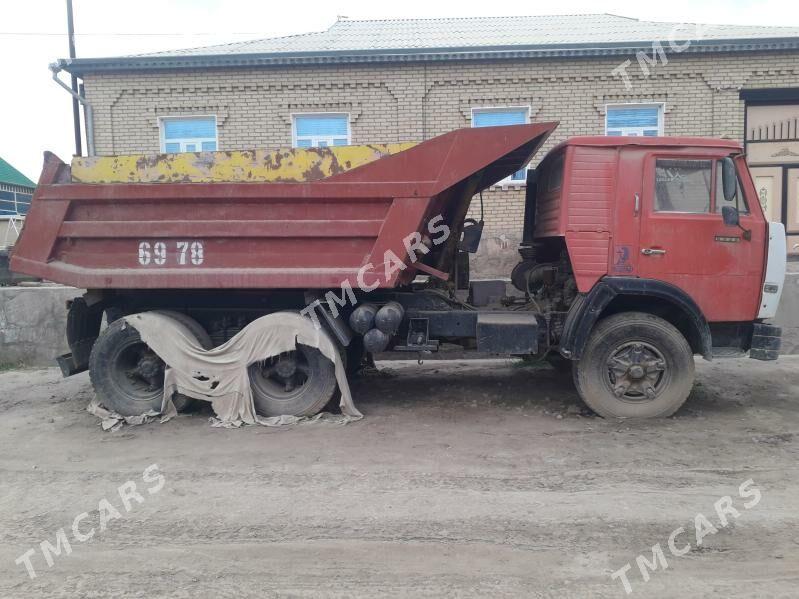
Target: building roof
[(399, 40), (11, 176)]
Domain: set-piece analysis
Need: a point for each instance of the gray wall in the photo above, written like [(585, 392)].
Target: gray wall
[(33, 324)]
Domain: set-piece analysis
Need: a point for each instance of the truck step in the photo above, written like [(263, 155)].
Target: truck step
[(507, 333)]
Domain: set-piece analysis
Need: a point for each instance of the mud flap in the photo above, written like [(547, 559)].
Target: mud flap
[(83, 327), (766, 342)]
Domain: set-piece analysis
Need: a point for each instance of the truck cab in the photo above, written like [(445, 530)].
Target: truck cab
[(653, 208), (668, 227)]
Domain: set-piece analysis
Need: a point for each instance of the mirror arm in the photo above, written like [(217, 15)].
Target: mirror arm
[(747, 233)]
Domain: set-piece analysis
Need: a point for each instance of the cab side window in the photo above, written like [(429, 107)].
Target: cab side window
[(683, 185), (739, 201)]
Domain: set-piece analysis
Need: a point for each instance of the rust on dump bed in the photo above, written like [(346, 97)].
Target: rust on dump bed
[(296, 165), (316, 234)]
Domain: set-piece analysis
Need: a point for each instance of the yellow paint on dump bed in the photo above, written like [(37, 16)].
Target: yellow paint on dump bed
[(294, 165)]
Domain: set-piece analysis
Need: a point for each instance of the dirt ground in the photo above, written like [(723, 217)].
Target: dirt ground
[(468, 479)]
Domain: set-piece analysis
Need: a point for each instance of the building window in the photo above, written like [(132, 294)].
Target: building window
[(188, 134), (320, 130), (14, 203), (495, 117), (634, 120)]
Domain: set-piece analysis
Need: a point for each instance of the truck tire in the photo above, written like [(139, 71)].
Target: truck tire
[(297, 383), (182, 402), (635, 365), (127, 375), (195, 327)]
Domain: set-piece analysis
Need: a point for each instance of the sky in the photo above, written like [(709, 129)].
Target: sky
[(37, 114)]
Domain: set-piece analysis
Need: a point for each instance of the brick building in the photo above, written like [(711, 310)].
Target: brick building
[(407, 80)]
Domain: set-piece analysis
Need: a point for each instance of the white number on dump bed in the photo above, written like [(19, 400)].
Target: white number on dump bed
[(185, 253)]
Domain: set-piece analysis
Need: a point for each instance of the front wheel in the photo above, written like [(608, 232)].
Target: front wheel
[(635, 365)]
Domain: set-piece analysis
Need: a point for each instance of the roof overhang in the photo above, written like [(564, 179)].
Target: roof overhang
[(83, 66), (786, 95)]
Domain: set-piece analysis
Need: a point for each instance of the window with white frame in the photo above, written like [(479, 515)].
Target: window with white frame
[(320, 130), (637, 120), (495, 117), (188, 134)]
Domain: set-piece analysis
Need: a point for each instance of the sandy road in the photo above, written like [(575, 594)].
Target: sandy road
[(465, 479)]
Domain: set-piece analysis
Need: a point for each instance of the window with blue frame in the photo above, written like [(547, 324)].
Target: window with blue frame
[(641, 120), (8, 204), (321, 130), (188, 134), (14, 203), (495, 117)]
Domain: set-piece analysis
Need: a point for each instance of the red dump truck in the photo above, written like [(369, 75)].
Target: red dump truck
[(637, 254)]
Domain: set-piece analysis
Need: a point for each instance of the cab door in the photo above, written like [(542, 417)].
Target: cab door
[(685, 242)]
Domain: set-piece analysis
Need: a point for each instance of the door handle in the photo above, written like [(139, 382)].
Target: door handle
[(652, 252)]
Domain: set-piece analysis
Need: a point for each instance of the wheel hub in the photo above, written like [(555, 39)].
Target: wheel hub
[(148, 368), (635, 371), (286, 367), (281, 376)]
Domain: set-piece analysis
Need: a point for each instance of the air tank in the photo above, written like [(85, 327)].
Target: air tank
[(362, 318), (375, 341), (389, 318)]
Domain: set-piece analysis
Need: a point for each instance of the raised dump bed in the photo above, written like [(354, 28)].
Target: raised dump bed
[(299, 219)]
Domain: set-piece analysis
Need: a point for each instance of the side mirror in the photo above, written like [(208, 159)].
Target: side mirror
[(729, 215), (729, 179), (470, 238)]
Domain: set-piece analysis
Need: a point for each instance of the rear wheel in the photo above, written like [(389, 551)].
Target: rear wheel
[(127, 375), (635, 365), (182, 402), (296, 383), (195, 327)]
